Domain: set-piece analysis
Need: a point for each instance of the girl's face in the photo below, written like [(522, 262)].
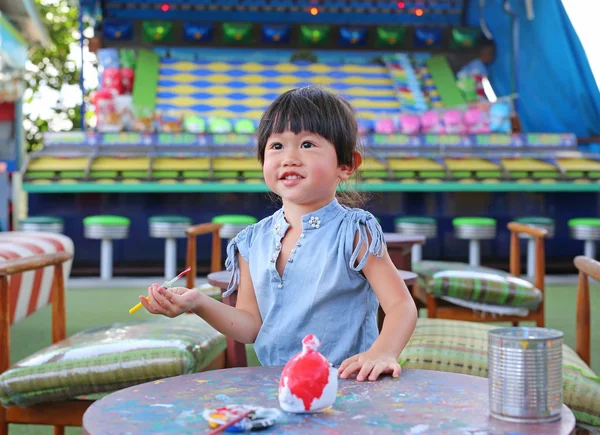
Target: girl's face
[(303, 168)]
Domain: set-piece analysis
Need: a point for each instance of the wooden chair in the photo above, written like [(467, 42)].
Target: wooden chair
[(59, 414), (587, 267), (236, 351), (437, 308)]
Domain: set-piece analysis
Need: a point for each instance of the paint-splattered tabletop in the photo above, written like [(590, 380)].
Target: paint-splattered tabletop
[(419, 401)]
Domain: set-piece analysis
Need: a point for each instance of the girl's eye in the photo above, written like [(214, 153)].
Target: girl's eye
[(307, 145), (276, 146)]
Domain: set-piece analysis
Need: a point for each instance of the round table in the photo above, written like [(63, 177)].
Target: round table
[(400, 248), (419, 401)]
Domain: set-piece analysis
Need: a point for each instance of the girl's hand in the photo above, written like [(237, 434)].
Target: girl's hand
[(170, 302), (369, 365)]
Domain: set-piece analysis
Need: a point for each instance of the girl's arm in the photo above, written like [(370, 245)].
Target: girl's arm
[(241, 322), (398, 325)]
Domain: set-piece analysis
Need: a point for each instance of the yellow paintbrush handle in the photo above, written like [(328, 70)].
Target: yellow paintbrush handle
[(137, 307)]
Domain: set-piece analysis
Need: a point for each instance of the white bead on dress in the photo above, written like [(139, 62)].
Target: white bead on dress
[(315, 221)]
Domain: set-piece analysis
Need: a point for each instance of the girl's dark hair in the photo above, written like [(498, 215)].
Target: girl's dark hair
[(319, 112)]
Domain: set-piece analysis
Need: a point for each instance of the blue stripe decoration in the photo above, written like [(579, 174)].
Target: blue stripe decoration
[(236, 84), (239, 96), (274, 73), (240, 108)]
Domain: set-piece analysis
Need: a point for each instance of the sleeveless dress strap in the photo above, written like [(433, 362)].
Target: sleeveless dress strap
[(370, 236)]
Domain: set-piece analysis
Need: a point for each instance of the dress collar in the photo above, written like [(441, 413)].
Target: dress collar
[(311, 221)]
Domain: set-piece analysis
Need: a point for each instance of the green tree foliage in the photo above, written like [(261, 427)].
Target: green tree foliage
[(52, 67)]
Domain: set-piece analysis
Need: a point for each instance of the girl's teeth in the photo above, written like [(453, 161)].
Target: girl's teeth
[(292, 177)]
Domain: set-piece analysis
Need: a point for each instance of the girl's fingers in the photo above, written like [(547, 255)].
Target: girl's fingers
[(158, 301), (146, 304), (346, 362), (352, 367), (396, 370), (377, 370), (365, 370)]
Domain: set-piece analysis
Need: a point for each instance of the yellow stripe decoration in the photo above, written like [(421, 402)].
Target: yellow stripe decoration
[(256, 114), (254, 67), (221, 102), (283, 79), (254, 91)]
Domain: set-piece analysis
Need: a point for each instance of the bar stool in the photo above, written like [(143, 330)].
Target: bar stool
[(42, 224), (416, 225), (588, 230), (538, 222), (106, 228), (233, 224), (474, 229), (169, 228)]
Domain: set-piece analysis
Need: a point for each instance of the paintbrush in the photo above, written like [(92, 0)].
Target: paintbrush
[(230, 423), (166, 284)]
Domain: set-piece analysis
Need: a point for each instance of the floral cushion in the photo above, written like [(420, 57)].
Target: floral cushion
[(111, 358)]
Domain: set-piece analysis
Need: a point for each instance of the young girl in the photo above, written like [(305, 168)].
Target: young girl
[(314, 266)]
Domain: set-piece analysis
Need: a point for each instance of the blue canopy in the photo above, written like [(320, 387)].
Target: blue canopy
[(556, 87)]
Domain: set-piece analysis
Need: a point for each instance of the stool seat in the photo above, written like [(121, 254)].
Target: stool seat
[(168, 227), (537, 222), (585, 228), (588, 230), (474, 228), (106, 227), (233, 224), (418, 225), (46, 224)]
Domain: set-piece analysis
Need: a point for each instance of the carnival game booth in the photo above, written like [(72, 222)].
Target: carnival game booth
[(182, 89), (20, 28)]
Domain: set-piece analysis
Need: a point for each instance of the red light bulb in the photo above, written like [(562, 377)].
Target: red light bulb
[(165, 8)]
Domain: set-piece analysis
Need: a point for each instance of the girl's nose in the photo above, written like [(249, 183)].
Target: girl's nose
[(291, 158)]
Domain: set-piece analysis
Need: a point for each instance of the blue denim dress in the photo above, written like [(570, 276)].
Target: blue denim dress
[(322, 290)]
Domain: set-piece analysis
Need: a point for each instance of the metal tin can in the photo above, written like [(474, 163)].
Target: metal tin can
[(525, 374)]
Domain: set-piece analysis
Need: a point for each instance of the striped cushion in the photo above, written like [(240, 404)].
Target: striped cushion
[(30, 291), (111, 358), (461, 347), (477, 284)]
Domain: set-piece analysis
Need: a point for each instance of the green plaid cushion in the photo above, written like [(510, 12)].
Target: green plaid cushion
[(477, 284), (111, 358), (461, 347)]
